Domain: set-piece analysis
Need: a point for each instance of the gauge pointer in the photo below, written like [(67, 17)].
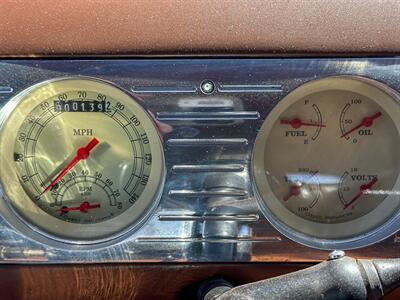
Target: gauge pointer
[(365, 122), (363, 188), (295, 190), (297, 123), (82, 154), (84, 207)]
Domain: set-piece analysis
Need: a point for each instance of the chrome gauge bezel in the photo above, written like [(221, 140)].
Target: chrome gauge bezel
[(107, 232), (280, 217)]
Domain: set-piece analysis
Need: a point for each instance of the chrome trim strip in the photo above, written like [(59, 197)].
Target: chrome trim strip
[(162, 239), (206, 116), (205, 193), (163, 89), (250, 88), (207, 142), (241, 218), (6, 90), (207, 168)]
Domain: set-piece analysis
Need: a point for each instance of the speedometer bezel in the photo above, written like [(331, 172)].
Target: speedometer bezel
[(106, 235)]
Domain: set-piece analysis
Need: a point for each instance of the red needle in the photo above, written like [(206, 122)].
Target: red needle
[(81, 154), (365, 122), (84, 207), (295, 190), (363, 188), (297, 123)]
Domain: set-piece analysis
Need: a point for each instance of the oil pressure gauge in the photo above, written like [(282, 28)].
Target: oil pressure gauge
[(81, 161), (326, 163)]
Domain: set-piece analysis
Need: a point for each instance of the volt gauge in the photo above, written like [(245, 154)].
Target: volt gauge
[(81, 162)]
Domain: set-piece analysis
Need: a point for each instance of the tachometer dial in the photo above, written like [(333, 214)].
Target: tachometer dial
[(81, 160), (340, 185)]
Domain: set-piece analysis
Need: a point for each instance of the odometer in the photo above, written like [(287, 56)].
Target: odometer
[(81, 159)]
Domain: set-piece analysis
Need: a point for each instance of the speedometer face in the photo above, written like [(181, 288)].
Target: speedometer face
[(326, 160), (81, 159)]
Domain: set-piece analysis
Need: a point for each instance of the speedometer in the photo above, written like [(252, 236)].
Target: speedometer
[(81, 160), (326, 163)]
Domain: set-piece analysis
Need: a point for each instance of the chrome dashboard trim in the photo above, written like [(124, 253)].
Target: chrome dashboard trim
[(208, 141)]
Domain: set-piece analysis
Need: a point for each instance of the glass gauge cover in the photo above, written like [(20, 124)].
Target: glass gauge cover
[(326, 163), (81, 160)]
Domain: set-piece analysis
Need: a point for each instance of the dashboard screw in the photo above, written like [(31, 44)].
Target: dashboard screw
[(207, 87)]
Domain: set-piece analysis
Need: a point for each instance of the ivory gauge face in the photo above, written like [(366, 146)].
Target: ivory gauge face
[(84, 154), (326, 161)]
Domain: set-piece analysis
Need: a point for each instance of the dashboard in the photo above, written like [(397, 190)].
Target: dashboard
[(198, 160), (269, 132)]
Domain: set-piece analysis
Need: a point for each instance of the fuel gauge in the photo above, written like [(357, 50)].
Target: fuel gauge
[(302, 121)]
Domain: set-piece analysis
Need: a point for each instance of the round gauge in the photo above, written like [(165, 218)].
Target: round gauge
[(326, 164), (81, 160)]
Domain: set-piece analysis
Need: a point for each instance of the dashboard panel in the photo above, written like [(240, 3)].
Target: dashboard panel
[(211, 191)]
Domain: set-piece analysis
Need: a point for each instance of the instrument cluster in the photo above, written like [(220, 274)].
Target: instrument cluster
[(198, 160)]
